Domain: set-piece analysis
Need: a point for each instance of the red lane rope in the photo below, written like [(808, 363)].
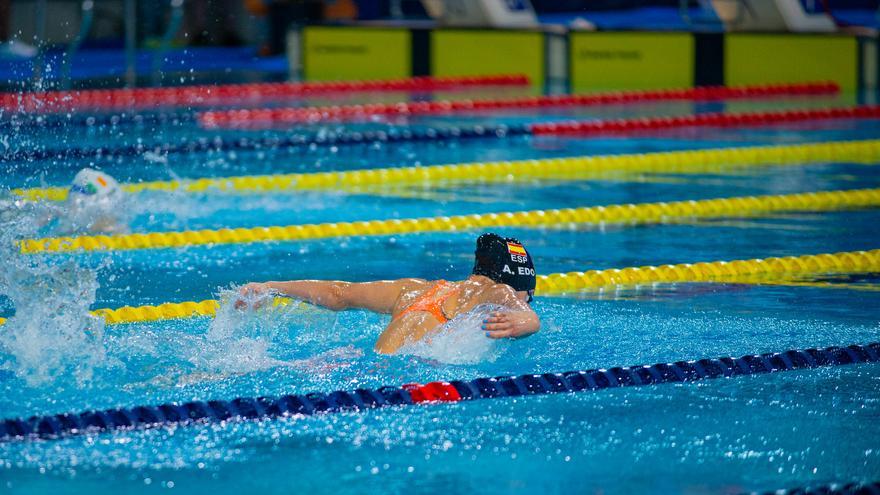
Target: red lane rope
[(141, 98), (268, 116), (744, 119)]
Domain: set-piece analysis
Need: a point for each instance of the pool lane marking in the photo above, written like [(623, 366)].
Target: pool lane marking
[(713, 119), (580, 128), (262, 117), (643, 213), (168, 311), (301, 405), (862, 488), (289, 142), (774, 270), (865, 152), (204, 95), (600, 293)]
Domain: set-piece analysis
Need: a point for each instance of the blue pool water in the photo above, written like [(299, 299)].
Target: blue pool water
[(722, 436)]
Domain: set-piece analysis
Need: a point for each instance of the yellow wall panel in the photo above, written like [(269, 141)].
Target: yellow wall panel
[(628, 60), (475, 52), (780, 58), (332, 53)]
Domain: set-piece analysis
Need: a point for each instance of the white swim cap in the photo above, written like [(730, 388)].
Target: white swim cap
[(90, 182)]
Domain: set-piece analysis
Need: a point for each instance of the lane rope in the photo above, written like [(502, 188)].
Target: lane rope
[(642, 213), (168, 311), (775, 270), (172, 117), (872, 488), (262, 117), (737, 271), (146, 98), (715, 119), (289, 142), (865, 152), (568, 128), (299, 405)]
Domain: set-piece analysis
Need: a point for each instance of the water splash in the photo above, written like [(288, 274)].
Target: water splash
[(241, 341), (260, 337), (51, 335), (461, 340)]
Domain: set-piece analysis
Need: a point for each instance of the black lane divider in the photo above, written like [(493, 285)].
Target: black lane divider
[(872, 488), (245, 408), (26, 121), (220, 144)]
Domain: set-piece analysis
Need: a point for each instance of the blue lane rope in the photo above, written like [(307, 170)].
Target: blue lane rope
[(220, 144), (54, 426), (872, 488), (24, 121)]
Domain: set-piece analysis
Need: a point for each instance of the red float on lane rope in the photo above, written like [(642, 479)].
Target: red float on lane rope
[(432, 392), (257, 118), (144, 98)]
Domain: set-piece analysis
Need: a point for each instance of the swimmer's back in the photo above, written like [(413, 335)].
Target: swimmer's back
[(409, 326), (466, 295)]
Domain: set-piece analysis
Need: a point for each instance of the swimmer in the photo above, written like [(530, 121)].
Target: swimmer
[(503, 275), (93, 205)]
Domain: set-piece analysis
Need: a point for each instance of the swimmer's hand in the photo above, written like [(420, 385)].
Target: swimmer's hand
[(510, 324), (249, 295)]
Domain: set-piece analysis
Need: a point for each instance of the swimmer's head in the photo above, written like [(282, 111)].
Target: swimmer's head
[(90, 182), (505, 261)]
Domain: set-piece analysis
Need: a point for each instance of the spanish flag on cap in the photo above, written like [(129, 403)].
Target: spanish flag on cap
[(514, 248)]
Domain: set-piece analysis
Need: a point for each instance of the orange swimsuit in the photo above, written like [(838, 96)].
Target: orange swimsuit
[(429, 303)]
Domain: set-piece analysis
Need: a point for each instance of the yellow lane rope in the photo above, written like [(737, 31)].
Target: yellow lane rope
[(584, 167), (610, 292), (627, 213), (166, 311), (767, 270), (739, 271)]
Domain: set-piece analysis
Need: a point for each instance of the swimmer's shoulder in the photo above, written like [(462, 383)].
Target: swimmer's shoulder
[(497, 294), (476, 296)]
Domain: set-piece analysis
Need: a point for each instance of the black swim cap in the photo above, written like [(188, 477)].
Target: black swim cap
[(505, 261)]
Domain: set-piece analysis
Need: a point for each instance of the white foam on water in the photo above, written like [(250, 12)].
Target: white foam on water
[(240, 340), (325, 362), (246, 340), (52, 336), (461, 340)]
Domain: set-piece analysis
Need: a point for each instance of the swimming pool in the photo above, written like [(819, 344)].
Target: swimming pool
[(730, 435)]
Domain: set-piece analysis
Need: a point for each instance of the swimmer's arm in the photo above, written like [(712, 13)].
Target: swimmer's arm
[(517, 320), (379, 297)]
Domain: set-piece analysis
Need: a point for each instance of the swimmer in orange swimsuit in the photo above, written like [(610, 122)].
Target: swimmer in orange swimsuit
[(503, 275)]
